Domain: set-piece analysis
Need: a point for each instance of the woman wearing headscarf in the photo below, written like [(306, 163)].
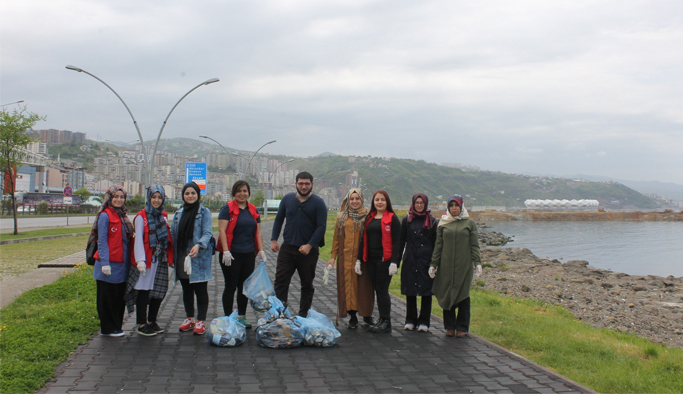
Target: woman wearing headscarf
[(239, 238), (153, 253), (191, 231), (112, 231), (379, 249), (455, 257), (418, 235), (354, 292)]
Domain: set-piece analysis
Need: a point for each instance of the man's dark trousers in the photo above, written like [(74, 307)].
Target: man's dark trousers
[(289, 259)]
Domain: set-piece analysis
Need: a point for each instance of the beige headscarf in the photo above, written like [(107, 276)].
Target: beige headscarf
[(358, 215), (447, 217)]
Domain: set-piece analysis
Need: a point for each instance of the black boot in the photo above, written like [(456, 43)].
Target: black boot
[(368, 321), (383, 325), (353, 321)]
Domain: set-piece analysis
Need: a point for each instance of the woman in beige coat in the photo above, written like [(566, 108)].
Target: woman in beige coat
[(455, 256), (354, 292)]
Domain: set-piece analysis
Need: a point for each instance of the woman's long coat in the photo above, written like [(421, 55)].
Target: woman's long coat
[(419, 246), (455, 254), (354, 293)]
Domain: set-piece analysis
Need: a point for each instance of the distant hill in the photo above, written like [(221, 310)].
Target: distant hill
[(327, 154), (670, 190), (401, 178)]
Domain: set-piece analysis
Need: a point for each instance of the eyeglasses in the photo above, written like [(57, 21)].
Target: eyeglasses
[(304, 184)]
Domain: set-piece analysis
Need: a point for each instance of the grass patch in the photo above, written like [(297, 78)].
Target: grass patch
[(42, 327), (46, 232), (16, 259)]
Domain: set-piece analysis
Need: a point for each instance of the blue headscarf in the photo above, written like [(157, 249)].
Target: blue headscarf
[(158, 227)]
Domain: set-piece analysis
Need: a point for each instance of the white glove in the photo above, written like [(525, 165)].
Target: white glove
[(479, 270), (188, 265), (432, 272), (142, 267), (393, 269), (262, 256), (357, 269), (326, 275), (227, 258), (106, 269)]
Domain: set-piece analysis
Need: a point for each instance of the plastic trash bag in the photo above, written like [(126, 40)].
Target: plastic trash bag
[(326, 275), (277, 309), (258, 288), (188, 265), (318, 330), (279, 334), (226, 331)]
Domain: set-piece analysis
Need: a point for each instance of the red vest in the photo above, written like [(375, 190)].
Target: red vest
[(114, 238), (234, 214), (145, 240), (387, 244)]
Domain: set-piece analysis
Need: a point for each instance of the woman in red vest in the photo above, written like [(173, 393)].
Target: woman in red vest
[(153, 253), (379, 247), (239, 238), (112, 231)]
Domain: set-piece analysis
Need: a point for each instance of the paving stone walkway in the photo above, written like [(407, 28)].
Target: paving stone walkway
[(362, 362)]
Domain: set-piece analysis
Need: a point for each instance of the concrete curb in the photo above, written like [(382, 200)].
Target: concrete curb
[(45, 238)]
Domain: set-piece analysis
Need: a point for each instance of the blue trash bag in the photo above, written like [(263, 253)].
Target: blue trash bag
[(226, 331), (277, 309), (258, 288), (279, 334), (318, 329)]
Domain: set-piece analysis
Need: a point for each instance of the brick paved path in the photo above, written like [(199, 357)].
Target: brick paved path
[(403, 361)]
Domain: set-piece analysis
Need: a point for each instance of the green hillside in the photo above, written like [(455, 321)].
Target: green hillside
[(402, 178)]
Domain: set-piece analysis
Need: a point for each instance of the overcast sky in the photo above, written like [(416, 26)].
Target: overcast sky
[(591, 87)]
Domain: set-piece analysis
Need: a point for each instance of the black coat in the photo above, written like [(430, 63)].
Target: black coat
[(419, 245)]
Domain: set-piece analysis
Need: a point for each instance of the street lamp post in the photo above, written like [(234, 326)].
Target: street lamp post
[(257, 151), (265, 206), (149, 164), (224, 148), (151, 168), (16, 102)]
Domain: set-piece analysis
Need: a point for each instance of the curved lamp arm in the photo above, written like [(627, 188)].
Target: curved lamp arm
[(154, 152)]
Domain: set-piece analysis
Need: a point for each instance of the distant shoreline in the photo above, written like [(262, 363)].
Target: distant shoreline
[(578, 216)]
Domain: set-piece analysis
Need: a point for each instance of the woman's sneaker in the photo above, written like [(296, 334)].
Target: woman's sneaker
[(423, 328), (199, 328), (154, 326), (187, 325), (243, 319), (146, 331)]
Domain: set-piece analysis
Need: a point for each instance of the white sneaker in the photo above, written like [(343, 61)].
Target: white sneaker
[(409, 327), (423, 328)]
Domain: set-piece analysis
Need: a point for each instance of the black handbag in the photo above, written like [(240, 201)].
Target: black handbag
[(90, 253)]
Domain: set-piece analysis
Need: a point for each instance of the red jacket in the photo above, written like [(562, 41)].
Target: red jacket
[(145, 240), (114, 238), (234, 214), (387, 242)]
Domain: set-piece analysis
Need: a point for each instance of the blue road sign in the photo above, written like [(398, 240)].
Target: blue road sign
[(197, 173)]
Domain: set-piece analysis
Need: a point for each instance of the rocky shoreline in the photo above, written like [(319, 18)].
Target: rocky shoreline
[(648, 306)]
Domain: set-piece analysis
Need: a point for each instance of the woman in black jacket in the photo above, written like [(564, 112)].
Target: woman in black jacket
[(418, 235)]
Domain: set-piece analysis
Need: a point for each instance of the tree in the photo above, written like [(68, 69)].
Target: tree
[(83, 193), (13, 139), (257, 198)]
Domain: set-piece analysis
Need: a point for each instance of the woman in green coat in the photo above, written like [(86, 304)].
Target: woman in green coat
[(455, 256)]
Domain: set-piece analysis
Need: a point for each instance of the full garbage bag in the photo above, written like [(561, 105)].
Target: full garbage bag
[(226, 331), (280, 333), (318, 329), (276, 310), (258, 287)]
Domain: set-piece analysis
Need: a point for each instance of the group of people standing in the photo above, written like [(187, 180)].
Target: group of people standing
[(439, 257)]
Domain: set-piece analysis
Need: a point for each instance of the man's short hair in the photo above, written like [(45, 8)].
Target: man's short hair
[(304, 175)]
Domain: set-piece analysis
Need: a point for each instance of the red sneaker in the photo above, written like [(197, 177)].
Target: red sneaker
[(199, 328), (187, 325)]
